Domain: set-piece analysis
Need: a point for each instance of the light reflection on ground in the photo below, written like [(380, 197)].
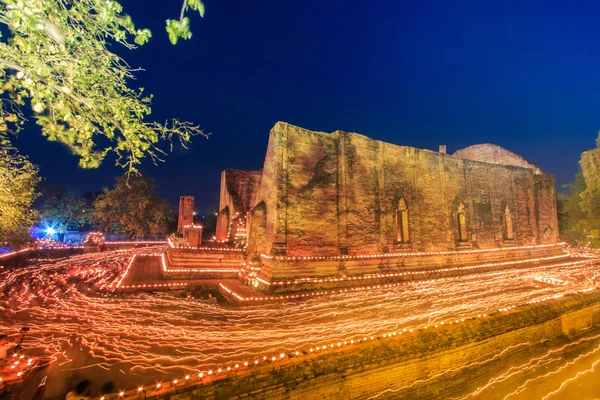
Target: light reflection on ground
[(145, 338)]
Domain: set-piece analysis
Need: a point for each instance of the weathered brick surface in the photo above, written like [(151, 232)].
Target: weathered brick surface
[(435, 266), (238, 190), (545, 197), (186, 212), (202, 264), (328, 194)]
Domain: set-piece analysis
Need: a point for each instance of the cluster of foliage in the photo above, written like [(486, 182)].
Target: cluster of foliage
[(64, 209), (572, 220), (55, 65), (133, 208), (54, 59), (579, 208), (180, 28), (18, 181)]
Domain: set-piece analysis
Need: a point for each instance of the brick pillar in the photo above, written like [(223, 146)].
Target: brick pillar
[(193, 234), (186, 212)]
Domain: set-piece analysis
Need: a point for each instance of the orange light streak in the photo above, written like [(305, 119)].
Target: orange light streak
[(160, 337)]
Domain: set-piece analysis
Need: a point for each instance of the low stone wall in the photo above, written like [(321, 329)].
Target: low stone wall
[(289, 274), (195, 275), (15, 258), (223, 253), (131, 244), (19, 258), (387, 364)]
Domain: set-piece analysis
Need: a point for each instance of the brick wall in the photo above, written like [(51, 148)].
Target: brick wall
[(329, 194), (238, 190), (330, 274), (186, 212)]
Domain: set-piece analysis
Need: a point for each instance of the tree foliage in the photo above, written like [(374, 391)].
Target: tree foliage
[(133, 208), (180, 29), (63, 209), (55, 60), (573, 223), (579, 209), (18, 181)]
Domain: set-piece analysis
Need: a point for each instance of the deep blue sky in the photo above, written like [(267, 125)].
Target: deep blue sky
[(521, 74)]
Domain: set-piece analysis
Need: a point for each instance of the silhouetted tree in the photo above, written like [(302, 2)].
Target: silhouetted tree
[(63, 209), (573, 221), (133, 208), (579, 209)]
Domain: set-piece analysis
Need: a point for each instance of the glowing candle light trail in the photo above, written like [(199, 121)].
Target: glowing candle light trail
[(160, 337)]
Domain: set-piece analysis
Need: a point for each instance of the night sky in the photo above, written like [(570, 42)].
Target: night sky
[(521, 74)]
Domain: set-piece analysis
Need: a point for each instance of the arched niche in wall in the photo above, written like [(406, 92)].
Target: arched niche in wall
[(509, 233), (402, 230), (461, 221)]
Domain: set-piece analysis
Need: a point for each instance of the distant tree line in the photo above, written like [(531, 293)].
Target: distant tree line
[(131, 207)]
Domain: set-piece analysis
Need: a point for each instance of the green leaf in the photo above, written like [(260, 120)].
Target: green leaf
[(128, 23), (196, 5), (143, 36), (77, 87), (178, 29), (172, 31)]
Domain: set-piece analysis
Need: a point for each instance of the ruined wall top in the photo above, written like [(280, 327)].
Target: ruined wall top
[(329, 194), (493, 154), (241, 186), (486, 152), (186, 212)]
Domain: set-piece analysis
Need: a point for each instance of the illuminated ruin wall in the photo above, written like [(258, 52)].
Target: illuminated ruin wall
[(326, 194), (186, 212), (236, 197)]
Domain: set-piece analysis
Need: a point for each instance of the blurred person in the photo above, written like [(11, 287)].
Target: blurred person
[(108, 387), (81, 391)]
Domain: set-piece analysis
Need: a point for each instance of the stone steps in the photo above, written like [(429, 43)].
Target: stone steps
[(199, 265), (293, 275), (203, 262)]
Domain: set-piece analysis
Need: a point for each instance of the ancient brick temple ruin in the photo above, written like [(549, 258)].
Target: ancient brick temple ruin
[(323, 194), (345, 196)]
